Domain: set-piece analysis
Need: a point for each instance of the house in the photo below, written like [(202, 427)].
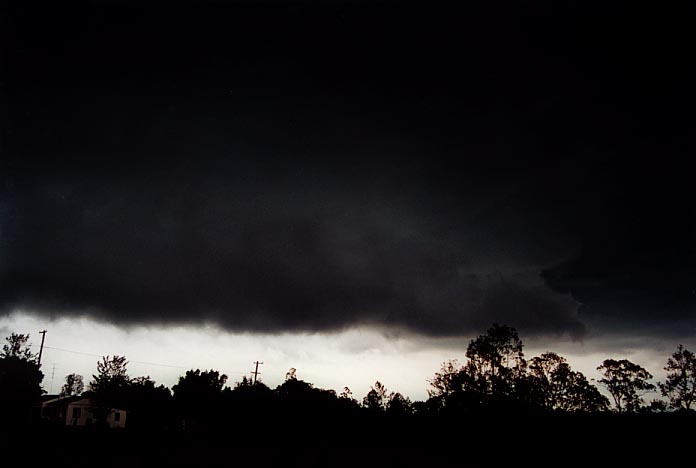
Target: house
[(54, 408), (79, 411), (83, 413)]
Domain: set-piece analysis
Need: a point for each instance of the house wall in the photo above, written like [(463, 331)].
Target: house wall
[(113, 415), (85, 415), (54, 410)]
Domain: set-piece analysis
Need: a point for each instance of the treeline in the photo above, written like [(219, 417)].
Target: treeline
[(496, 378)]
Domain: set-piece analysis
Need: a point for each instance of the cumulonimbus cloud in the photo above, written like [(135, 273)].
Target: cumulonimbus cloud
[(266, 255)]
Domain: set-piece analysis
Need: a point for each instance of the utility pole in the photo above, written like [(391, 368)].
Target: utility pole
[(43, 337), (256, 372)]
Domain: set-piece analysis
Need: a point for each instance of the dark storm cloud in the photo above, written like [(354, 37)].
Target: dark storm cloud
[(299, 166), (269, 252), (637, 262)]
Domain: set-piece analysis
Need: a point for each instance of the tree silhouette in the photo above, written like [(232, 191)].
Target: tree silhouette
[(680, 386), (626, 382), (297, 398), (399, 405), (295, 391), (74, 385), (454, 387), (376, 399), (447, 381), (110, 385), (245, 382), (246, 398), (346, 401), (112, 376), (199, 384), (346, 394), (17, 347), (496, 363), (149, 405), (197, 395), (555, 386), (20, 380), (655, 406), (495, 371)]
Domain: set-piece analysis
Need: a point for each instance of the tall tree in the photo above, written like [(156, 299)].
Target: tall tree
[(112, 374), (555, 386), (17, 346), (74, 385), (295, 391), (377, 398), (346, 400), (626, 382), (680, 386), (110, 385), (199, 383), (456, 387), (149, 405), (496, 362), (447, 381), (198, 395), (246, 398), (20, 380), (399, 405), (495, 370)]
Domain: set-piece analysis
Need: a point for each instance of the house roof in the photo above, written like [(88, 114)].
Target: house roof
[(58, 400), (89, 402)]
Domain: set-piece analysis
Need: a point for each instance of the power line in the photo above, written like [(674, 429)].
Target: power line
[(155, 364), (70, 351), (131, 361)]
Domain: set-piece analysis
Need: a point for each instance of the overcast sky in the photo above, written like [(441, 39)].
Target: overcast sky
[(355, 189)]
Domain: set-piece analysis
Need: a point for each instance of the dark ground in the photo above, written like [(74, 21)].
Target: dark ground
[(600, 440)]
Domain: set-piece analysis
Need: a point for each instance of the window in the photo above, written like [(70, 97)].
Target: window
[(117, 416), (76, 413)]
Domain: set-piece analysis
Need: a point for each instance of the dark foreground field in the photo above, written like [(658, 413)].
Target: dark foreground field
[(599, 440)]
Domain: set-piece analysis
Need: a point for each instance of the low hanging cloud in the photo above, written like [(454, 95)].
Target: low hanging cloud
[(268, 254)]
